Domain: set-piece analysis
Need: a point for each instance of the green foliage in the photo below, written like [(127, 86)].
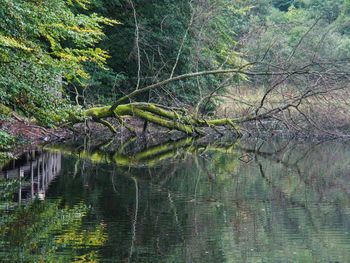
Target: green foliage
[(6, 141), (307, 29), (5, 157), (55, 52), (209, 42), (7, 190), (4, 111), (43, 46)]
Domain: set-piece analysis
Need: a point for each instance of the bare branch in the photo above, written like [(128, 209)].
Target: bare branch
[(239, 70), (183, 41), (137, 43)]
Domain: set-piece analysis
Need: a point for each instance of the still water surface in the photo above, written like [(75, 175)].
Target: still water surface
[(248, 201)]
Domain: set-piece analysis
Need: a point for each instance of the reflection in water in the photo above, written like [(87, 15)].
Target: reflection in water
[(189, 201), (34, 171)]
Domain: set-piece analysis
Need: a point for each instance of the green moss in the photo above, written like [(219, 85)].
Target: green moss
[(150, 112)]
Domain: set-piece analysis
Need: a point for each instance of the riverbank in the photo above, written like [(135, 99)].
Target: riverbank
[(18, 135)]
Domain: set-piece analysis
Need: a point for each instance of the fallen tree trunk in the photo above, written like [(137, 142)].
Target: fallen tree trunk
[(178, 119), (160, 115)]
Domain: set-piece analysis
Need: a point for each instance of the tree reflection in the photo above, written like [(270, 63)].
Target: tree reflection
[(36, 231), (33, 171), (190, 201)]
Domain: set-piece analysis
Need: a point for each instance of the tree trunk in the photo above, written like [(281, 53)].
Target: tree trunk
[(162, 116)]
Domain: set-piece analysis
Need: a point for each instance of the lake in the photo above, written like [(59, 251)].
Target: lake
[(179, 201)]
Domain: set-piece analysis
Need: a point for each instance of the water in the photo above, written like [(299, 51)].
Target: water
[(185, 201)]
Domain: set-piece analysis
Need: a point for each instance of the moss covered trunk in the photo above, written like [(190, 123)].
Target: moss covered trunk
[(159, 115)]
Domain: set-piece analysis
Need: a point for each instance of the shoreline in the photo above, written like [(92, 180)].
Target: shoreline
[(22, 135), (27, 135)]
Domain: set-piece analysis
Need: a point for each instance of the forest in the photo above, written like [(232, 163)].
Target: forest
[(174, 131), (242, 66)]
